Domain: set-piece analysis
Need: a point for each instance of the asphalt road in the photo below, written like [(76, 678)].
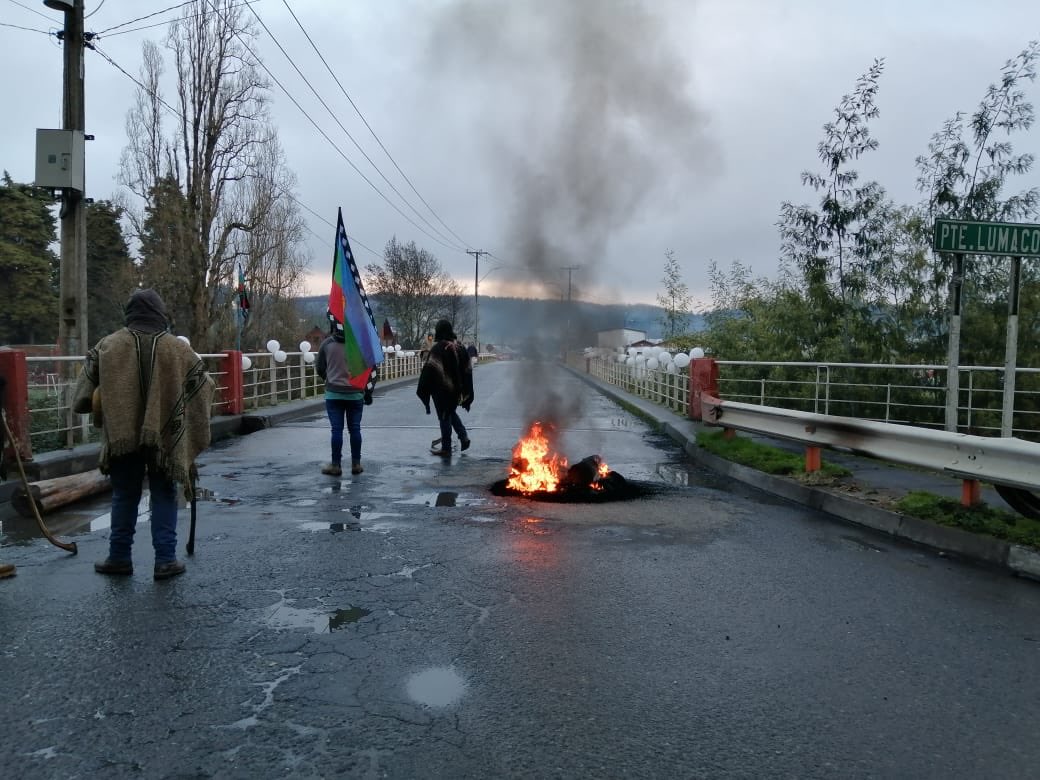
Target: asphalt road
[(407, 623)]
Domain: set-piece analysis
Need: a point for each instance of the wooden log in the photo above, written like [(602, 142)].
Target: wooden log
[(53, 493)]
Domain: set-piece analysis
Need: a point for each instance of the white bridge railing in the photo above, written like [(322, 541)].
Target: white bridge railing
[(897, 393), (265, 383)]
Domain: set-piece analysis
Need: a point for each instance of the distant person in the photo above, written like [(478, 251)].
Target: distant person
[(447, 379), (427, 345), (474, 356), (343, 401), (155, 398)]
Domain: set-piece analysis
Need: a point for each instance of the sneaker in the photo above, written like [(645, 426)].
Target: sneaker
[(332, 469), (114, 566), (163, 571), (7, 570), (356, 467), (464, 444), (440, 452)]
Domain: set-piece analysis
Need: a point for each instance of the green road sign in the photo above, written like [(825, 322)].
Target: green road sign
[(986, 238)]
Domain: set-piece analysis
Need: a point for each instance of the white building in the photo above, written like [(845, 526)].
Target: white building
[(620, 337)]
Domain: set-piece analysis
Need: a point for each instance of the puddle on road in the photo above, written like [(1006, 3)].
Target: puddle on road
[(438, 686), (320, 620), (675, 474), (444, 498), (363, 521), (344, 617)]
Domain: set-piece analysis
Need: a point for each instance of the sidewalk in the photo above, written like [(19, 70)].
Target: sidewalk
[(876, 485)]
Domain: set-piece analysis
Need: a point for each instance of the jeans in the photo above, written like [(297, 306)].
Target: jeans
[(449, 419), (127, 476), (352, 411)]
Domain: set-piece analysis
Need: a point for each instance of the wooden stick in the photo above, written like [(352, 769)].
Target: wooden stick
[(70, 546)]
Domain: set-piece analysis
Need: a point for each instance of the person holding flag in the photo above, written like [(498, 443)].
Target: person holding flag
[(349, 357), (243, 306)]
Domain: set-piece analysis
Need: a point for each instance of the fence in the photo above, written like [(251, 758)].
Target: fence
[(908, 394), (50, 382)]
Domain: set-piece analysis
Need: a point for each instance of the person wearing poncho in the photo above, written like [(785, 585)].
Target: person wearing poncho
[(155, 403), (447, 379)]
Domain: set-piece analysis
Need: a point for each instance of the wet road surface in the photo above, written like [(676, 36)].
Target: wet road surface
[(406, 623)]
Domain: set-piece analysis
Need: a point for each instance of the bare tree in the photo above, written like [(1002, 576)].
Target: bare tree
[(225, 196), (413, 290)]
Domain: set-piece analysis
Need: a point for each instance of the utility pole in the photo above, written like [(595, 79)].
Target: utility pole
[(567, 335), (476, 295), (72, 324), (570, 269)]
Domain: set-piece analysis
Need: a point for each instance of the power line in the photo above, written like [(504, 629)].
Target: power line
[(165, 21), (142, 18), (446, 243), (95, 10), (180, 116), (344, 129), (29, 29), (31, 10), (331, 142), (365, 121)]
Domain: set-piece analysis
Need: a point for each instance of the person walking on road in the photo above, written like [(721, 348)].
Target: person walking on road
[(154, 396), (447, 379), (343, 401)]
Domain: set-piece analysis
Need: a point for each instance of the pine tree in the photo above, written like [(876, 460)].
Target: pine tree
[(110, 271), (28, 266)]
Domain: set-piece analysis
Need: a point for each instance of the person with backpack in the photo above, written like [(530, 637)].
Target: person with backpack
[(447, 379)]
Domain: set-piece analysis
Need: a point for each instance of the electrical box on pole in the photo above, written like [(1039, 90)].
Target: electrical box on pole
[(59, 159)]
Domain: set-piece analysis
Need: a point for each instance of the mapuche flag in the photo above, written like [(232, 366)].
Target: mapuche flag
[(243, 299), (349, 306)]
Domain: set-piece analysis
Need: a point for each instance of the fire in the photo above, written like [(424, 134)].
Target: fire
[(536, 468)]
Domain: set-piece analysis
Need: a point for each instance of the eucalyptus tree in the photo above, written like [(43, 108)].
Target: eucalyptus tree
[(965, 175), (675, 300), (835, 247)]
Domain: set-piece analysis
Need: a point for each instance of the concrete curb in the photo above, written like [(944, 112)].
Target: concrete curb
[(1021, 561)]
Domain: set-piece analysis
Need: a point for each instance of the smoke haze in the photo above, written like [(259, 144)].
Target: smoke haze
[(587, 110)]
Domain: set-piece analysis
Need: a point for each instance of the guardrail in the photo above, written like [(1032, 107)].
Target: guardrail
[(1011, 465)]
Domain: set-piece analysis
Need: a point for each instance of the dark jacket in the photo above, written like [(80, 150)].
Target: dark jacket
[(446, 378)]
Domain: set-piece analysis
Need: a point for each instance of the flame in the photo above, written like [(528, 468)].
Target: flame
[(536, 468)]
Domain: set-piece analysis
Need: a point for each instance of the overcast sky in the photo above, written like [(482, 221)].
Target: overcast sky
[(590, 134)]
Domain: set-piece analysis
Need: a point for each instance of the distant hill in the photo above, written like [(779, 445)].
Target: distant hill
[(515, 320)]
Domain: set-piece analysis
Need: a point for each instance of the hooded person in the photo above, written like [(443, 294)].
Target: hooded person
[(344, 401), (155, 397), (447, 379)]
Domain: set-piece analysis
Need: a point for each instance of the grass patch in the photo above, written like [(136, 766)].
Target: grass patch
[(980, 519), (763, 457)]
